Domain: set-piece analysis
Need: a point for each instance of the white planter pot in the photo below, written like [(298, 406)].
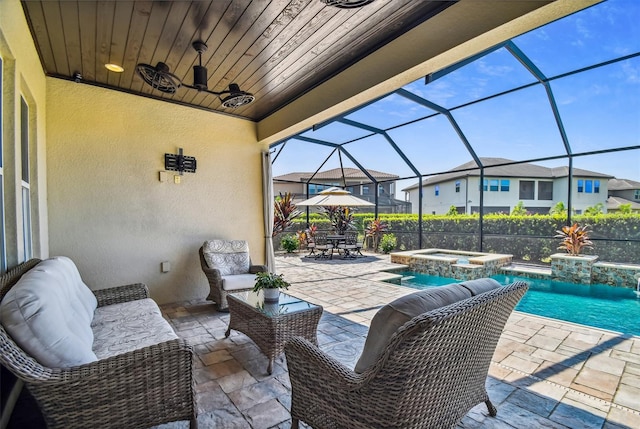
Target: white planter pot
[(271, 294)]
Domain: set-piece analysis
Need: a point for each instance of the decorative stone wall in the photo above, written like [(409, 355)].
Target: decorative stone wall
[(573, 269), (620, 275), (464, 272)]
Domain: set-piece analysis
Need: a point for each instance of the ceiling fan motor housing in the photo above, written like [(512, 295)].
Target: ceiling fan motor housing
[(200, 78)]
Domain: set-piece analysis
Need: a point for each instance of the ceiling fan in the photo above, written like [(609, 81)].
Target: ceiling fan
[(160, 78)]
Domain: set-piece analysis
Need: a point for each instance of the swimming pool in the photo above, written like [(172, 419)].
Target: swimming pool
[(601, 306)]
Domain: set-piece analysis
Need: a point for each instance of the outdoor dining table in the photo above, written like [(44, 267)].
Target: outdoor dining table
[(335, 240)]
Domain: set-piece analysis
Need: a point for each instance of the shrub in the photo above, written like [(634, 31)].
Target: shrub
[(387, 243), (289, 243)]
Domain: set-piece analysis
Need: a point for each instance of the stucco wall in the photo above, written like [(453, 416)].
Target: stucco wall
[(109, 211)]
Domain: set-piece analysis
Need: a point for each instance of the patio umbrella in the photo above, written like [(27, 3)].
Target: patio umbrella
[(335, 197)]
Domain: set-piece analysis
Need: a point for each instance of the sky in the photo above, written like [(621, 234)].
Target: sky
[(598, 108)]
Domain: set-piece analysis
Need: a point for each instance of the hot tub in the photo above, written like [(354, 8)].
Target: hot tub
[(461, 265)]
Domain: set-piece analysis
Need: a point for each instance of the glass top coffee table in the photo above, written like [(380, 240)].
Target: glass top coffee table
[(271, 324)]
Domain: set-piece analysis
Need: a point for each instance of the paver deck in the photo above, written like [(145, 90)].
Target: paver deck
[(545, 372)]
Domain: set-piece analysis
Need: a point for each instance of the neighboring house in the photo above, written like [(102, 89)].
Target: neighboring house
[(353, 180), (539, 188), (623, 191)]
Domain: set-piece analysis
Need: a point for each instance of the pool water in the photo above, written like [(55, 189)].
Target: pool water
[(601, 306)]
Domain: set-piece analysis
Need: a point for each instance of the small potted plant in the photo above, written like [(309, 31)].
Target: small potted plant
[(270, 284)]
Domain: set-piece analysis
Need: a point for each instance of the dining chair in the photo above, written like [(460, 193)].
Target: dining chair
[(350, 244), (323, 246)]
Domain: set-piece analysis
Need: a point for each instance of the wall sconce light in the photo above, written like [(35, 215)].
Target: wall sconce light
[(179, 162)]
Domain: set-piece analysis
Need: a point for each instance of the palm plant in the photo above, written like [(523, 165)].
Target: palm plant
[(574, 239), (284, 212)]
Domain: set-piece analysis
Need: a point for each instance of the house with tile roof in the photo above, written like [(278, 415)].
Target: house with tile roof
[(505, 183), (307, 184), (623, 191)]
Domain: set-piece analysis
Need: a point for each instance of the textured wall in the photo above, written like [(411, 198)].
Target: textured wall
[(109, 211)]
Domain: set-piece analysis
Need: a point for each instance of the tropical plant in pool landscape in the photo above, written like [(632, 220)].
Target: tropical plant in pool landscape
[(453, 211), (289, 243), (311, 232), (624, 208), (594, 210), (519, 209), (341, 218), (284, 212), (375, 230), (558, 209), (574, 239), (301, 236), (388, 243)]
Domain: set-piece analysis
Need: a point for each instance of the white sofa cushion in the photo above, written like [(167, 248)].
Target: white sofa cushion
[(48, 313), (238, 281), (128, 326), (228, 256), (136, 309)]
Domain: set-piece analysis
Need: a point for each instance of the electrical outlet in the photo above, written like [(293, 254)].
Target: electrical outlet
[(176, 179), (165, 266)]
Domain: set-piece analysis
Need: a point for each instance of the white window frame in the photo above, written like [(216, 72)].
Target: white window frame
[(25, 185), (3, 241)]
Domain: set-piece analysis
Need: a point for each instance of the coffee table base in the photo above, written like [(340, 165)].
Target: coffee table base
[(270, 333)]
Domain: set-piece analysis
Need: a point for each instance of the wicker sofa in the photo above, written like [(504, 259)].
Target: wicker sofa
[(424, 363), (103, 358)]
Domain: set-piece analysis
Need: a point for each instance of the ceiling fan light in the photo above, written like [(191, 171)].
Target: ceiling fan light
[(347, 4), (236, 97), (159, 77)]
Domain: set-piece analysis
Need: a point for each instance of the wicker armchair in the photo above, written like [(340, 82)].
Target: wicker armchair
[(217, 290), (141, 388), (432, 372)]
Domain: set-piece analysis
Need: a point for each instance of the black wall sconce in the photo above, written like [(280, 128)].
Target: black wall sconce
[(179, 162)]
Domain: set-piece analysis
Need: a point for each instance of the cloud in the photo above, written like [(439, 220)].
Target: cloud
[(632, 74), (493, 70)]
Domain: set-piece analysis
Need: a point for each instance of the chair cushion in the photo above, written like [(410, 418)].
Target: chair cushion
[(128, 326), (478, 286), (238, 281), (395, 314), (228, 256), (48, 313)]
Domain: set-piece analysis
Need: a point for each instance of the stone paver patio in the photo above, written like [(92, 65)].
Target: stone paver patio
[(545, 372)]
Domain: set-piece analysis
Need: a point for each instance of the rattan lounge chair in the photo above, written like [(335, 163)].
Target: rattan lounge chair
[(226, 275), (141, 388), (430, 374)]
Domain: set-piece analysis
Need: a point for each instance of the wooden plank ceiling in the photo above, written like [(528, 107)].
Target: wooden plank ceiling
[(277, 50)]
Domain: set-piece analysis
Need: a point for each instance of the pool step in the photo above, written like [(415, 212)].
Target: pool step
[(534, 271)]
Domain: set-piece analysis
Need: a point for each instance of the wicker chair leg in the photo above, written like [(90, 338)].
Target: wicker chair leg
[(193, 423), (295, 423), (492, 410)]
